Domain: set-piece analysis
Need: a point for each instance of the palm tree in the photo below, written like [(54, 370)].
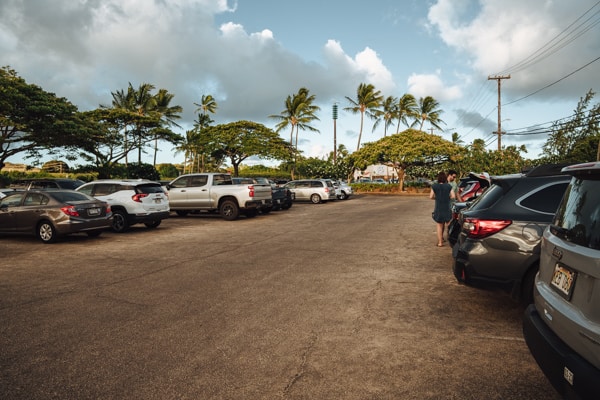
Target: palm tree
[(168, 113), (299, 112), (407, 108), (188, 147), (367, 102), (207, 105), (387, 113), (429, 111)]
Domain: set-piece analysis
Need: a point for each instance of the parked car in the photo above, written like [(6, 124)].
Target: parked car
[(314, 190), (344, 191), (562, 327), (52, 213), (500, 232), (6, 191), (281, 197), (379, 181), (133, 201), (46, 183), (215, 192)]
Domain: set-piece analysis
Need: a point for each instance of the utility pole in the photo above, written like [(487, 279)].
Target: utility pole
[(335, 115), (499, 79)]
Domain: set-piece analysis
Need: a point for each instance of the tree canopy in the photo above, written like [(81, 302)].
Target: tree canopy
[(242, 139), (406, 149), (32, 119)]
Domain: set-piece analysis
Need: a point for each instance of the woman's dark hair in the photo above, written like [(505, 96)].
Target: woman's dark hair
[(441, 178)]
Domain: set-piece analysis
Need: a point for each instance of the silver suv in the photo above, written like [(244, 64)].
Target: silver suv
[(562, 327), (314, 190), (133, 201)]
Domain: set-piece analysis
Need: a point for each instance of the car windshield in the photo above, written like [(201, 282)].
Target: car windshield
[(578, 215)]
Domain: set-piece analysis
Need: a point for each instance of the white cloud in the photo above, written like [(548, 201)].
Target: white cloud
[(421, 85)]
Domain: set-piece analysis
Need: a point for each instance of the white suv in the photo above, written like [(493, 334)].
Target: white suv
[(133, 201), (562, 328)]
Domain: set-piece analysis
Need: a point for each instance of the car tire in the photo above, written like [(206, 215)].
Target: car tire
[(182, 213), (315, 198), (153, 224), (342, 196), (229, 210), (120, 222), (287, 205), (46, 232)]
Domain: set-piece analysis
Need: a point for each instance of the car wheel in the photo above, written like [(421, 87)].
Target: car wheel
[(182, 213), (94, 233), (287, 205), (315, 198), (120, 222), (153, 224), (46, 232), (229, 210), (342, 196)]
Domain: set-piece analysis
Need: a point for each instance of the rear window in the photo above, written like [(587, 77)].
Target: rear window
[(65, 197), (488, 198), (149, 188), (579, 213)]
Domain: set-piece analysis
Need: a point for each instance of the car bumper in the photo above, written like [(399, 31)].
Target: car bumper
[(75, 226), (252, 204), (153, 217), (571, 375)]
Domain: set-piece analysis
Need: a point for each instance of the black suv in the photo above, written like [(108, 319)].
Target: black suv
[(500, 232)]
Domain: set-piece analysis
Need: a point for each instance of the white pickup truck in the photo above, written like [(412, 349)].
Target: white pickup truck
[(215, 192)]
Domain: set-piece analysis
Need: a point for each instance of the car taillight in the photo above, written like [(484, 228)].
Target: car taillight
[(70, 211), (480, 228), (251, 189), (139, 196), (108, 209), (326, 189)]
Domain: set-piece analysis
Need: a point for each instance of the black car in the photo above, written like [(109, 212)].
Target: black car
[(46, 183), (500, 232)]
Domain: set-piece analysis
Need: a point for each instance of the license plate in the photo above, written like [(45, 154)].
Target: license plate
[(563, 281), (93, 211), (157, 201)]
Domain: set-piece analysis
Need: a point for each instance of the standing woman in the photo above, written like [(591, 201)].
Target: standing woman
[(442, 193)]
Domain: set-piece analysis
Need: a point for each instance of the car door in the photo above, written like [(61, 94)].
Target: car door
[(28, 214), (9, 206), (190, 192)]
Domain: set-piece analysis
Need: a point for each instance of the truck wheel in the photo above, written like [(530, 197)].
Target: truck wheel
[(315, 198), (229, 210), (182, 213)]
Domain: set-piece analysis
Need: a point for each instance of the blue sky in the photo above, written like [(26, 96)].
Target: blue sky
[(251, 54)]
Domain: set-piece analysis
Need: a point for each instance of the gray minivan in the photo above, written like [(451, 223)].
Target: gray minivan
[(314, 190), (562, 327)]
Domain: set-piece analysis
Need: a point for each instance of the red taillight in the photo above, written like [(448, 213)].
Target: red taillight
[(139, 196), (108, 210), (480, 228), (251, 189), (70, 211)]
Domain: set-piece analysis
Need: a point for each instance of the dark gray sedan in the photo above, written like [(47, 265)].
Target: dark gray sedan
[(49, 214)]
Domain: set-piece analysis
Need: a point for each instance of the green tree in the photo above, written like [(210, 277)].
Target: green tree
[(33, 120), (406, 149), (299, 113), (367, 101), (387, 114), (168, 114), (578, 139), (207, 105), (429, 111), (407, 108), (242, 139)]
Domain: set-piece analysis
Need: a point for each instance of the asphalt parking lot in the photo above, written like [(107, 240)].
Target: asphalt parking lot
[(346, 300)]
